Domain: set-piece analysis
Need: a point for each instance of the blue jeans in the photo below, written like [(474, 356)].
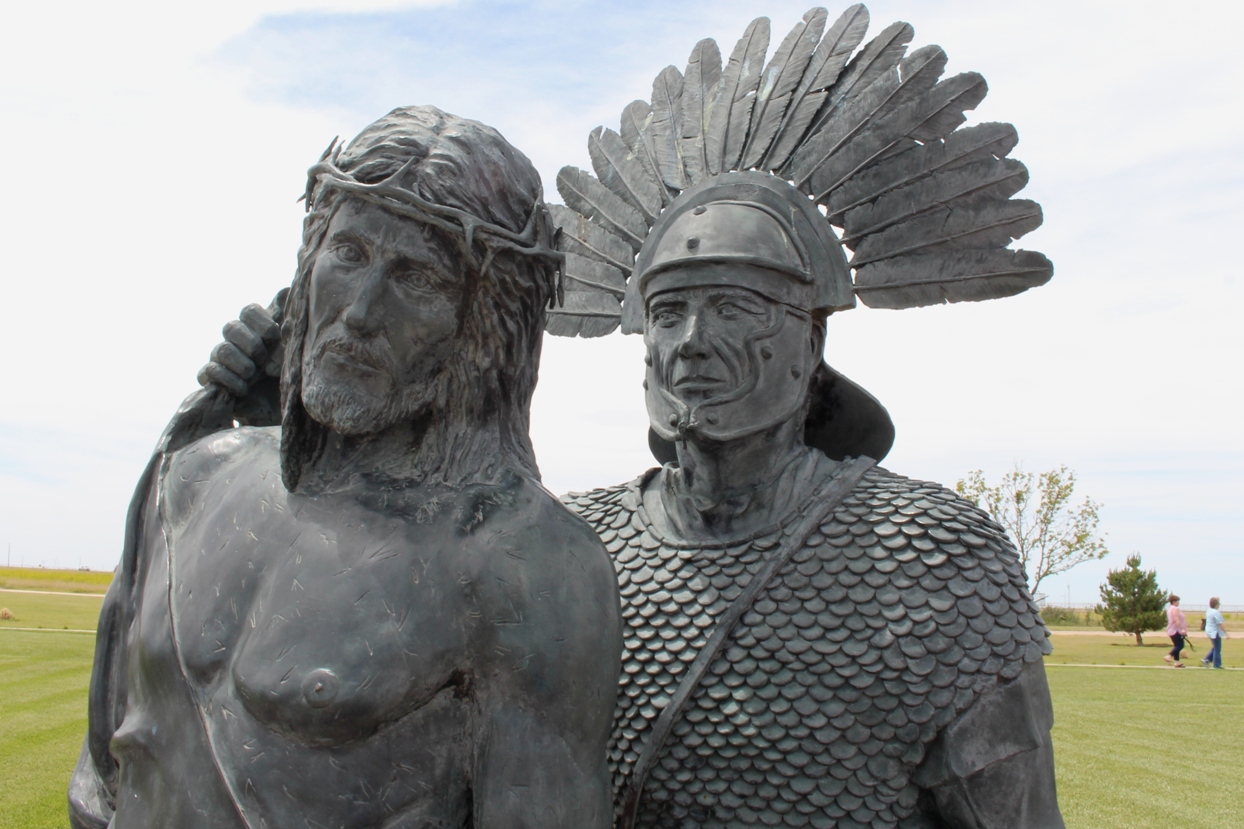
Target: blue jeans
[(1215, 652)]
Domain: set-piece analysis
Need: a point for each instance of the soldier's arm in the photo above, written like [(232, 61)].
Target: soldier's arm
[(241, 383), (247, 364), (993, 766)]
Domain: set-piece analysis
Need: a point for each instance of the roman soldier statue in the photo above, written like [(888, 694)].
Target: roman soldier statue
[(809, 639)]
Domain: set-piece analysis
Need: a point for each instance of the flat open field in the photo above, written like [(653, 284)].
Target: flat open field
[(65, 581), (1142, 749), (1115, 649), (1135, 748), (43, 684), (50, 611)]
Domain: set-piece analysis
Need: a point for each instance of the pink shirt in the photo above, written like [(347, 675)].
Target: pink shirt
[(1175, 621)]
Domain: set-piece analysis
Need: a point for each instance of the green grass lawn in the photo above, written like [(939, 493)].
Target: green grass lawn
[(43, 685), (1116, 649), (1149, 749), (37, 610), (1134, 748)]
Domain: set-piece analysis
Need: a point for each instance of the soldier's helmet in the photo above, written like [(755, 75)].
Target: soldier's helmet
[(755, 231)]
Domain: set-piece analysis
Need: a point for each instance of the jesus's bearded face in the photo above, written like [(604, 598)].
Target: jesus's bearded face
[(384, 312)]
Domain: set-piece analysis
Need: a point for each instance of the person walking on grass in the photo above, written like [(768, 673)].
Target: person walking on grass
[(1216, 631), (1177, 629)]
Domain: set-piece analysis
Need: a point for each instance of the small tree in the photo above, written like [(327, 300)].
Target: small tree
[(1133, 600), (1051, 535)]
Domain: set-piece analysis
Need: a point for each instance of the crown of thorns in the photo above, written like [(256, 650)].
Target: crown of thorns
[(536, 239)]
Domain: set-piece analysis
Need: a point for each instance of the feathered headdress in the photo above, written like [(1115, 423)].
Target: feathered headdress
[(924, 208)]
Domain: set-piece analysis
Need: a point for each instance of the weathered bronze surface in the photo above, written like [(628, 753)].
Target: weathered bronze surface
[(807, 638), (809, 641), (373, 614)]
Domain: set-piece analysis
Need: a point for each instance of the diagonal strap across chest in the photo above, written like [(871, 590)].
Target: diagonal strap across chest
[(823, 504)]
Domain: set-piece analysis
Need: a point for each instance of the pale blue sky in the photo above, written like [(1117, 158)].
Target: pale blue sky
[(156, 152)]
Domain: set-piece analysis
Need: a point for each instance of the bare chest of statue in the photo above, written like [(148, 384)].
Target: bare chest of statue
[(335, 637)]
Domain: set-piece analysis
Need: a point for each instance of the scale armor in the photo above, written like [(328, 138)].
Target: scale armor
[(905, 607)]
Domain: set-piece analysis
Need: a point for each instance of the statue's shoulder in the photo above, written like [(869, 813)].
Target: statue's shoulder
[(216, 459), (529, 553), (882, 494), (919, 546), (611, 504), (521, 512), (221, 449), (555, 509)]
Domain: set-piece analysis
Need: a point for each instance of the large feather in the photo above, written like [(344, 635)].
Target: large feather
[(981, 142), (891, 131), (823, 69), (853, 117), (619, 169), (636, 133), (586, 238), (939, 124), (699, 91), (585, 194), (917, 74), (918, 71), (736, 94), (777, 84), (666, 126), (961, 276), (985, 224), (877, 58), (990, 179), (963, 92), (592, 306), (588, 275), (584, 315)]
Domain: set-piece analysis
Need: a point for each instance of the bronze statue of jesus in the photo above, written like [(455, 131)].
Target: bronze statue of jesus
[(373, 614)]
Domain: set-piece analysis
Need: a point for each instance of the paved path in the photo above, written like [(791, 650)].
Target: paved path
[(1140, 667), (49, 630), (1124, 634)]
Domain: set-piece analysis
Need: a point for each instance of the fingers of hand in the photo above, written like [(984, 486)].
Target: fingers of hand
[(246, 340), (276, 308), (218, 375), (231, 357), (273, 367), (258, 320)]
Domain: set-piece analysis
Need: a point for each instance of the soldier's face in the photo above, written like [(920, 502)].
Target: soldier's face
[(725, 362), (696, 339), (383, 317)]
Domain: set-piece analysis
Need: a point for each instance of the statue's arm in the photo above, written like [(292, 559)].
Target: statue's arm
[(544, 762), (93, 785), (241, 383), (993, 766), (247, 364)]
